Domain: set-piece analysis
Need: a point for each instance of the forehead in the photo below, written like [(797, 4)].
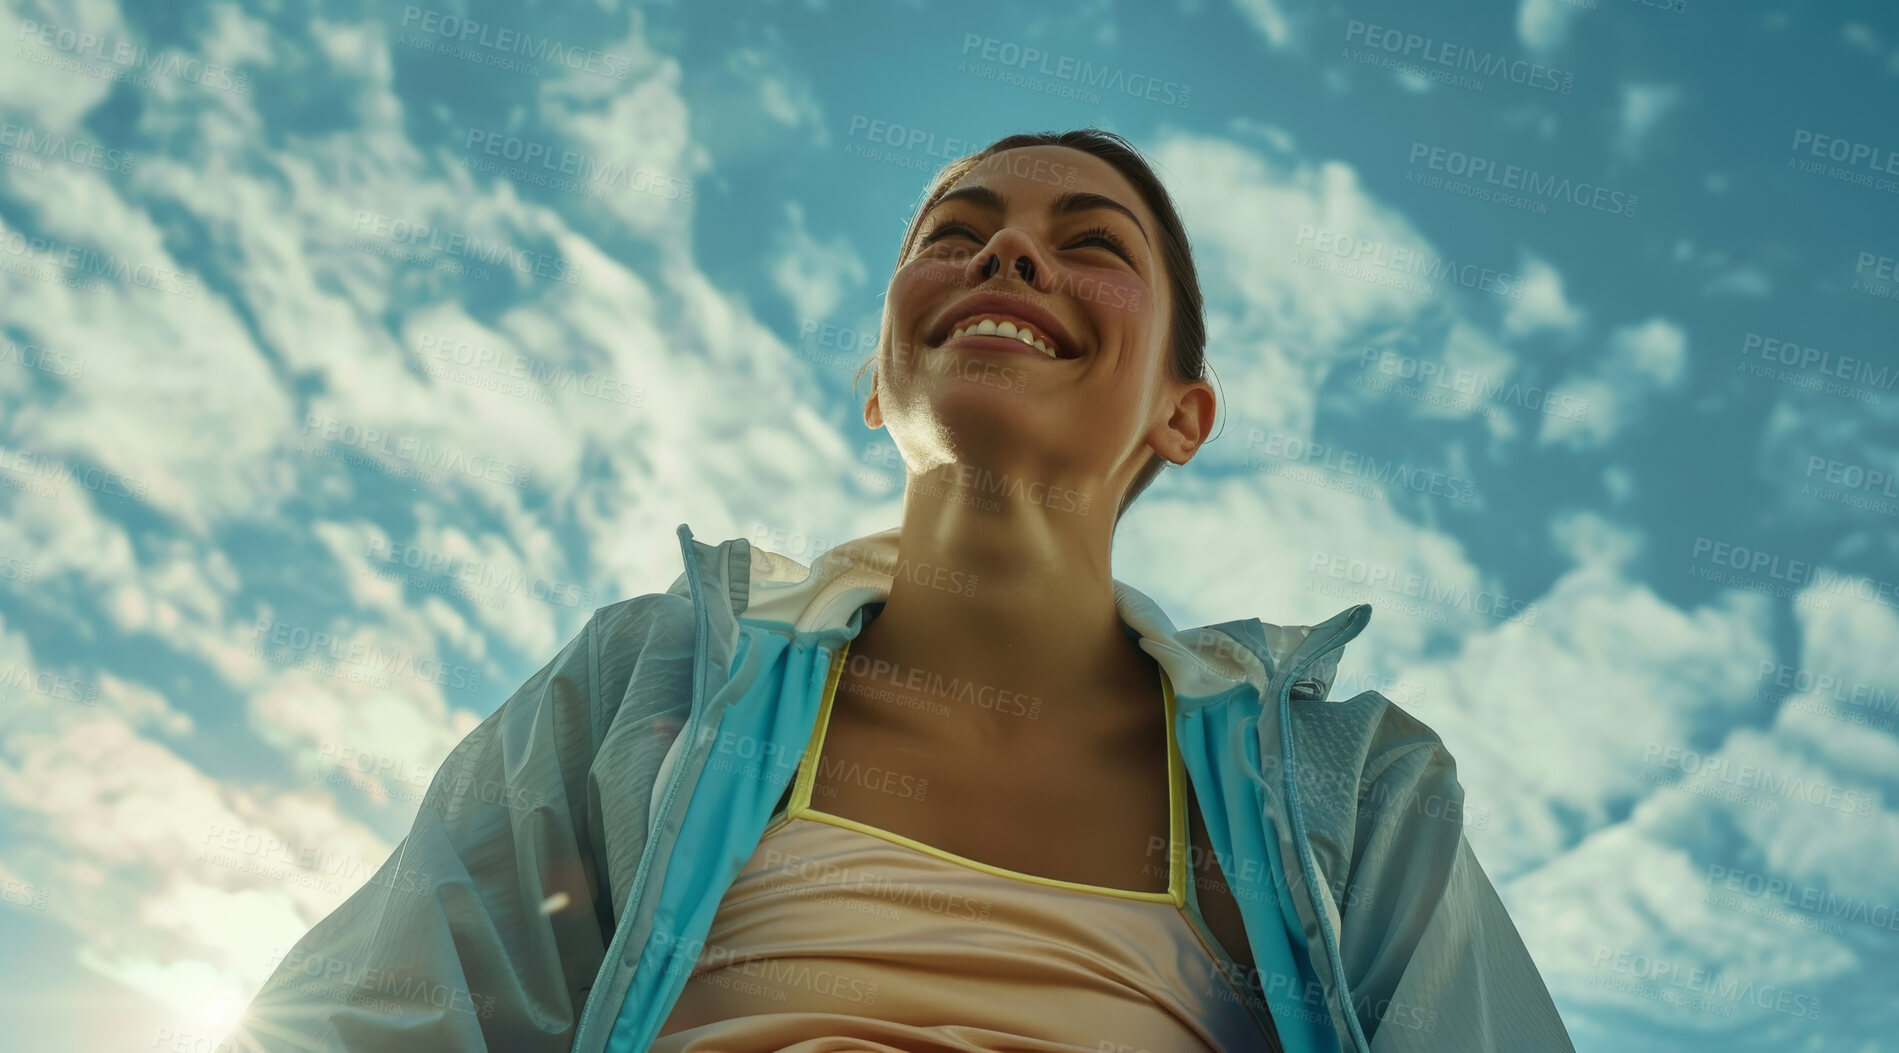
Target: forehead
[(1034, 176)]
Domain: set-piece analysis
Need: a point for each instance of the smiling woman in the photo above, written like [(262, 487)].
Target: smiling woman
[(1113, 265), (1105, 862), (952, 786)]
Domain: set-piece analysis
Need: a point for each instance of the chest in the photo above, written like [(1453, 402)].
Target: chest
[(1092, 813)]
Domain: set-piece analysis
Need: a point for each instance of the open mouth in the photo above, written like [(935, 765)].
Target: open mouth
[(1004, 328)]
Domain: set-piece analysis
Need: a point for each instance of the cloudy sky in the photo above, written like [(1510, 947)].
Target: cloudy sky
[(351, 354)]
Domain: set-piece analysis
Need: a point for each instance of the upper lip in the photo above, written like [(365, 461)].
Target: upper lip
[(1016, 307)]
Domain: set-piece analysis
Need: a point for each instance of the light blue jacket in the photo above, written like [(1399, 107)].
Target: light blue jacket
[(565, 865)]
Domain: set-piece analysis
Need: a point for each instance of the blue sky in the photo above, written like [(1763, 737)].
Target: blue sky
[(352, 354)]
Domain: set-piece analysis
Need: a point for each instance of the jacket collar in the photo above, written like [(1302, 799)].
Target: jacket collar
[(1203, 663)]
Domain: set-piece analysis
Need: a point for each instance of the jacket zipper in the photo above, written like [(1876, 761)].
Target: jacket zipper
[(693, 719), (1308, 867)]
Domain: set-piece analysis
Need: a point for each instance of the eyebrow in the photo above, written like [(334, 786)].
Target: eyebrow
[(1070, 202)]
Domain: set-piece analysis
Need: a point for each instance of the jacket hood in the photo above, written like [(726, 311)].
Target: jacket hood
[(1203, 662)]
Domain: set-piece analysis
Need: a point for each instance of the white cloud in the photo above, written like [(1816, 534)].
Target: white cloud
[(292, 321), (1269, 19), (787, 109), (1471, 351), (133, 414), (1750, 282), (175, 884), (1609, 663), (1544, 24), (1091, 20), (641, 124), (53, 103), (1642, 359), (814, 276), (1588, 538), (1619, 483), (1543, 305), (1643, 108), (1861, 37), (1276, 327), (1533, 117), (1750, 863), (1719, 274), (1315, 560), (1654, 352), (764, 104), (1822, 462), (1595, 428), (1275, 136)]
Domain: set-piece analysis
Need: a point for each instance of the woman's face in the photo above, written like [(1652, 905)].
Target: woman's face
[(1079, 260)]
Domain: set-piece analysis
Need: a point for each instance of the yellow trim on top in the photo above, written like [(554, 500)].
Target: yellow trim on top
[(807, 766), (1177, 802), (1176, 894)]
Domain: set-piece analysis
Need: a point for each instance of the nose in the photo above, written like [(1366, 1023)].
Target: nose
[(1023, 266), (1013, 245)]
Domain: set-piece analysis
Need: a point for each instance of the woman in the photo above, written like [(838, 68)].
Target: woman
[(952, 787)]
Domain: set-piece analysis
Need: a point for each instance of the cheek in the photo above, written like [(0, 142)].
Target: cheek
[(924, 277), (1109, 294), (914, 290)]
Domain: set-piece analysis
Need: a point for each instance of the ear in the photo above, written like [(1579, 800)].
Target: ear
[(1180, 436), (873, 414)]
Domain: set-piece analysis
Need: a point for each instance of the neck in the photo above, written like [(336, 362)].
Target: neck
[(1014, 597)]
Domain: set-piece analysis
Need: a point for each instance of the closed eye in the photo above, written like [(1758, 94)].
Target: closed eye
[(951, 228), (1113, 240), (1102, 235)]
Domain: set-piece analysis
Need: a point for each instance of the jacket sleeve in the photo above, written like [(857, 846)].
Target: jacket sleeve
[(1433, 959), (483, 930)]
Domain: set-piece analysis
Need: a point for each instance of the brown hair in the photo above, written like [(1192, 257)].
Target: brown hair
[(1187, 335)]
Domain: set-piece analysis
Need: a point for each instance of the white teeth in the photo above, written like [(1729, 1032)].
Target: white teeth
[(1029, 338), (990, 327)]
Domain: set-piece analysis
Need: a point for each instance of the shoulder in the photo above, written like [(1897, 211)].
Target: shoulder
[(638, 651), (638, 620), (1368, 734), (1370, 772)]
